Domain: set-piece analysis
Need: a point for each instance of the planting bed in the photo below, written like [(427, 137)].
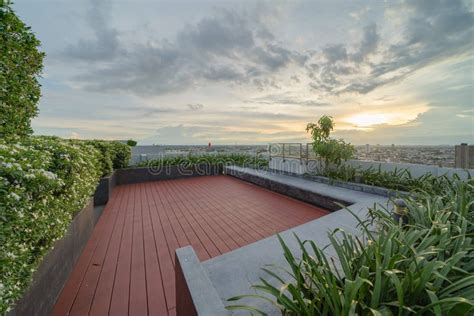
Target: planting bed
[(128, 265)]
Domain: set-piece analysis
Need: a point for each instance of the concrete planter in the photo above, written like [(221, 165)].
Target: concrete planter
[(145, 174), (304, 195), (54, 270)]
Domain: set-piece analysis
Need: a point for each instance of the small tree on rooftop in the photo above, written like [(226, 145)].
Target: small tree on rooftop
[(330, 151), (20, 65)]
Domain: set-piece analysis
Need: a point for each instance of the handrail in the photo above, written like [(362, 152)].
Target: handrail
[(291, 150)]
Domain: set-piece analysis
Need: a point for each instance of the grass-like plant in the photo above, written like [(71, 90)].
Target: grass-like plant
[(425, 267), (398, 179), (219, 159)]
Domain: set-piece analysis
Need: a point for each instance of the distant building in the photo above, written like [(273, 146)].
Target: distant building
[(464, 156), (367, 148)]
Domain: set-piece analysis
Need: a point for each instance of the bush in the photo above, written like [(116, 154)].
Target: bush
[(122, 155), (131, 143), (43, 182), (20, 65), (221, 160), (114, 155), (425, 267), (107, 154)]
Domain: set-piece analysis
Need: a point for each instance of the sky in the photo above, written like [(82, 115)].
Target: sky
[(253, 72)]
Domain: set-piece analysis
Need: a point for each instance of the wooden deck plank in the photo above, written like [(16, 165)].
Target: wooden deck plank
[(121, 290), (127, 266), (138, 291), (101, 303)]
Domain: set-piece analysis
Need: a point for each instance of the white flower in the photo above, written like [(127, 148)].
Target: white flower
[(14, 196), (49, 174)]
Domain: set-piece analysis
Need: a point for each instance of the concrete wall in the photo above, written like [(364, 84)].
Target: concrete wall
[(53, 272), (301, 166)]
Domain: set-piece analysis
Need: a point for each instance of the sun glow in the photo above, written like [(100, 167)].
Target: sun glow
[(370, 119)]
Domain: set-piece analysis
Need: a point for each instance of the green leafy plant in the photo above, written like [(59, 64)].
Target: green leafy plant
[(43, 182), (20, 65), (425, 267), (398, 179), (122, 155), (114, 155), (131, 143), (221, 160), (330, 151)]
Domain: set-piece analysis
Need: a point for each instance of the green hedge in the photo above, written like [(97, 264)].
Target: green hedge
[(114, 155), (20, 66), (43, 182)]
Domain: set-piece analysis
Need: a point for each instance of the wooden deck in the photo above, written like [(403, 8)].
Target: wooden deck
[(127, 266)]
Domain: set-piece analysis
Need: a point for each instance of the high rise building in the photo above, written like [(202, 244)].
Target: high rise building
[(367, 148), (464, 156)]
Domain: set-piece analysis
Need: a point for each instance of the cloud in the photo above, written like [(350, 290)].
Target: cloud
[(238, 47), (105, 43), (195, 107), (287, 100), (230, 46), (423, 32), (195, 134)]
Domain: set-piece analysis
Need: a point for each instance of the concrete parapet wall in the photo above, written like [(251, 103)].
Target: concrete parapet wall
[(302, 166)]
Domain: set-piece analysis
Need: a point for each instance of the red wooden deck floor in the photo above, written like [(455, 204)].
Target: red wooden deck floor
[(127, 266)]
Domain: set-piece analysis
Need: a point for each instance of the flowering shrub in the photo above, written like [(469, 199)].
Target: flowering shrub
[(43, 182)]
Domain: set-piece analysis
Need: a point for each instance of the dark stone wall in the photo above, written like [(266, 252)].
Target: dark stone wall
[(104, 190), (54, 270), (145, 174)]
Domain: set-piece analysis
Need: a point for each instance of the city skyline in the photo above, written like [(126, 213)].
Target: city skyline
[(255, 72)]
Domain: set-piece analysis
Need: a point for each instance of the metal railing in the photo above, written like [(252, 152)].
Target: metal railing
[(292, 150)]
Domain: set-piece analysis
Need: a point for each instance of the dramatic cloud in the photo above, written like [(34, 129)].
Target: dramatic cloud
[(428, 31), (230, 46), (255, 71)]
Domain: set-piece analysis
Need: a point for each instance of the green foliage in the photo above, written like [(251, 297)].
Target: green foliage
[(332, 151), (114, 155), (106, 155), (43, 182), (131, 143), (221, 159), (398, 179), (425, 267), (20, 65), (122, 155)]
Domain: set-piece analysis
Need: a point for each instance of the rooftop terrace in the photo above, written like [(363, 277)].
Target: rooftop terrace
[(128, 264)]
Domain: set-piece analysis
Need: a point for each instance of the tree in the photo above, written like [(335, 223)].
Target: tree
[(131, 143), (20, 66), (332, 151)]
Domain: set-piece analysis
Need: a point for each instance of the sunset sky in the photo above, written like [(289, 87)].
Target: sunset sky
[(252, 72)]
